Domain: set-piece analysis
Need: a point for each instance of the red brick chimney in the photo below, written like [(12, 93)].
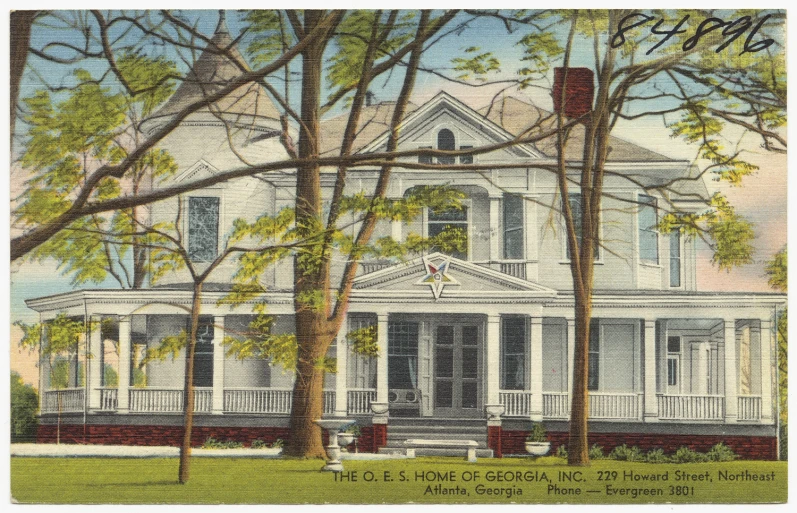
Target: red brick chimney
[(578, 92)]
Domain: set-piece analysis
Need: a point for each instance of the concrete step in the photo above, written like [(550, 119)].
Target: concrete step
[(434, 451)]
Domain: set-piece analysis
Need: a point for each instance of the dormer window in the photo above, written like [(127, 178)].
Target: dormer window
[(203, 228)]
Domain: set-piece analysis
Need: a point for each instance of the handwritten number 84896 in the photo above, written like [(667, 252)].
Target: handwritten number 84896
[(731, 30)]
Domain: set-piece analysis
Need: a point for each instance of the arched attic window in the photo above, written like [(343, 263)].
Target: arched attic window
[(446, 141)]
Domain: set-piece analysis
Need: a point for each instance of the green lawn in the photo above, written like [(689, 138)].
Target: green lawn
[(252, 481)]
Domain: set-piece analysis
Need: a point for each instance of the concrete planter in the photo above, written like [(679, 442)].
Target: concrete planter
[(538, 448)]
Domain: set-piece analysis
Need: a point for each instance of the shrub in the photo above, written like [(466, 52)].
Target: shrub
[(687, 455), (24, 404), (278, 443), (212, 443), (721, 452), (596, 452), (537, 433), (656, 456), (625, 453), (561, 452), (259, 444), (352, 429)]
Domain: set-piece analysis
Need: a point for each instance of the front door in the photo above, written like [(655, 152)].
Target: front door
[(457, 370)]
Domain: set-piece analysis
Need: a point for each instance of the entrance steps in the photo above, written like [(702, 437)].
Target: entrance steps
[(401, 429)]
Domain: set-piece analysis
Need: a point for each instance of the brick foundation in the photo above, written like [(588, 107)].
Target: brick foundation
[(747, 447), (494, 440), (378, 437), (101, 434)]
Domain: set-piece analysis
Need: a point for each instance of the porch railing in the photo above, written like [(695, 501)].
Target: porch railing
[(691, 407), (329, 402), (168, 400), (258, 400), (517, 403), (555, 405), (65, 400), (109, 398), (607, 405), (359, 400), (516, 269), (749, 407)]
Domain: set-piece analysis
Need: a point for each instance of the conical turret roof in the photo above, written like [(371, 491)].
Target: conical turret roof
[(214, 69)]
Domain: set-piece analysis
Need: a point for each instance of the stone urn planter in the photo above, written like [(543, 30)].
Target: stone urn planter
[(538, 448), (333, 426), (345, 439)]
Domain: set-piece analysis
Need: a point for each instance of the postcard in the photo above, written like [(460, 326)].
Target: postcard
[(474, 256)]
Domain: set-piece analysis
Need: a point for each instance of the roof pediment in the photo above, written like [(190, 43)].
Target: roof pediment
[(440, 277)]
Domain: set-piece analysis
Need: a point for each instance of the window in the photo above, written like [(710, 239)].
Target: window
[(445, 141), (425, 159), (575, 209), (466, 159), (203, 354), (675, 259), (673, 360), (513, 353), (648, 234), (203, 228), (513, 227), (453, 222), (402, 355), (593, 379)]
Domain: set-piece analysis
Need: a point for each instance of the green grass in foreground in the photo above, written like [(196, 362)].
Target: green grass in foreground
[(253, 481)]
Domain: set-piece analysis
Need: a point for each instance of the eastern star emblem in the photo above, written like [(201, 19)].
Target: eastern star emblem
[(436, 276)]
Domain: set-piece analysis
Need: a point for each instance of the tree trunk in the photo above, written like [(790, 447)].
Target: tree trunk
[(578, 445), (314, 337), (21, 22), (188, 406), (311, 273)]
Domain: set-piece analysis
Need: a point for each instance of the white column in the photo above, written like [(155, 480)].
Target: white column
[(341, 378), (218, 365), (731, 393), (703, 353), (571, 355), (651, 409), (381, 364), (493, 359), (395, 230), (495, 229), (95, 362), (766, 371), (535, 367), (123, 394)]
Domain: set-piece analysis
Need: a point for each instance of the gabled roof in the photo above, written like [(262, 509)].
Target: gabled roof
[(515, 116), (213, 70), (509, 117)]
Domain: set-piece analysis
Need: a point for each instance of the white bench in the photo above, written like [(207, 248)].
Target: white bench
[(469, 445)]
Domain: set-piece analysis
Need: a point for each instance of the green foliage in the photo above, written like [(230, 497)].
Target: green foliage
[(625, 453), (537, 433), (476, 66), (212, 443), (687, 455), (260, 343), (68, 139), (24, 405), (363, 341), (59, 336), (352, 428), (596, 452), (170, 346), (729, 234), (539, 50), (110, 376), (721, 452), (777, 270), (656, 456), (561, 452)]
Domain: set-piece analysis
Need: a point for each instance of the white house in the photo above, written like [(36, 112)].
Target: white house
[(480, 342)]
